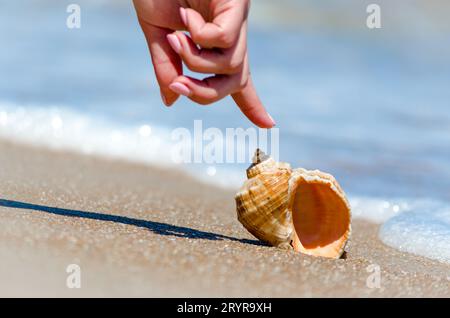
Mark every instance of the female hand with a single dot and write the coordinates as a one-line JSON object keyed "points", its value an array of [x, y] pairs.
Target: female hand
{"points": [[216, 44]]}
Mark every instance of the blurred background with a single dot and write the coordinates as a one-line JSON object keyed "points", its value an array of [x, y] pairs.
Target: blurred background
{"points": [[370, 106]]}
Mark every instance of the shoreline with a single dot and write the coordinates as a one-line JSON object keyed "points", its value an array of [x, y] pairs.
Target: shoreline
{"points": [[141, 231]]}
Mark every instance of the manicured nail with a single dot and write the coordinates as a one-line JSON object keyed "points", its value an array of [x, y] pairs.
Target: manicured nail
{"points": [[180, 89], [164, 99], [174, 42], [183, 16], [273, 121]]}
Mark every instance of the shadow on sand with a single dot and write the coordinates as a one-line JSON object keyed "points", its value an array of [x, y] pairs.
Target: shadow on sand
{"points": [[156, 227]]}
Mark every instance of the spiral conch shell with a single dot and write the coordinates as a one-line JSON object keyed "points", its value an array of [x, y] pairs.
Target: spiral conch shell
{"points": [[294, 209]]}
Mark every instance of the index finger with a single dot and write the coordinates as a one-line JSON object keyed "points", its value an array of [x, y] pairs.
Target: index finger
{"points": [[251, 106]]}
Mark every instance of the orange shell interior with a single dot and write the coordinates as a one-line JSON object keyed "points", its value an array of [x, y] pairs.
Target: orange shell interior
{"points": [[321, 219]]}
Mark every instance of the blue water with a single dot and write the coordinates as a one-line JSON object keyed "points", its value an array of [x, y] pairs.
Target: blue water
{"points": [[369, 106]]}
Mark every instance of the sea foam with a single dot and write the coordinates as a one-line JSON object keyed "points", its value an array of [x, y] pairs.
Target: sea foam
{"points": [[417, 226], [62, 128], [424, 231]]}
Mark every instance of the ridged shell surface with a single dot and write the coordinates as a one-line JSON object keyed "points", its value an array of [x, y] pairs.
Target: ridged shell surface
{"points": [[262, 203]]}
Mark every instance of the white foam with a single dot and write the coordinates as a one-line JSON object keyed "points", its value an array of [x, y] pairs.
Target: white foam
{"points": [[374, 210], [64, 129], [379, 210], [417, 226], [423, 232]]}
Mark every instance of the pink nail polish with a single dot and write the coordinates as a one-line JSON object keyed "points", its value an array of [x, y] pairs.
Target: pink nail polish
{"points": [[174, 42], [180, 88], [183, 15]]}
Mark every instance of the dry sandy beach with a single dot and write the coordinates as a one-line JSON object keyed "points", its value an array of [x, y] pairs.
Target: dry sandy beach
{"points": [[141, 231]]}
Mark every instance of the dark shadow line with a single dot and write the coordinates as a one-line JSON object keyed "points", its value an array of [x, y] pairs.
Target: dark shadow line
{"points": [[156, 227]]}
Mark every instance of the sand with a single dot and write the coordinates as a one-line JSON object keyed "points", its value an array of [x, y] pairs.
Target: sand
{"points": [[140, 231]]}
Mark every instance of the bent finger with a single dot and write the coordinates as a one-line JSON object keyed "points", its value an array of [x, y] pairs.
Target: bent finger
{"points": [[212, 61], [208, 90], [223, 31], [167, 64]]}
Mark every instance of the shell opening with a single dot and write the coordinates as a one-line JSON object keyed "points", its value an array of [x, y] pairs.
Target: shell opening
{"points": [[321, 220]]}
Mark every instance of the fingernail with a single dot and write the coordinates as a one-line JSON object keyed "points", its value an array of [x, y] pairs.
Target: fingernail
{"points": [[174, 42], [164, 99], [180, 89], [183, 15], [273, 121]]}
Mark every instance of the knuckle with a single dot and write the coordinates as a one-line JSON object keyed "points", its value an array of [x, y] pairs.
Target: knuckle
{"points": [[196, 37], [190, 64], [212, 96], [204, 101], [223, 39], [243, 82], [226, 39], [193, 65], [234, 65], [242, 85]]}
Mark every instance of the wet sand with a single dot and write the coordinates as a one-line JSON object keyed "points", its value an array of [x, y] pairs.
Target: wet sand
{"points": [[141, 231]]}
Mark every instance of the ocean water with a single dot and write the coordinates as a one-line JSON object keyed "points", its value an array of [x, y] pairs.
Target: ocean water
{"points": [[369, 106]]}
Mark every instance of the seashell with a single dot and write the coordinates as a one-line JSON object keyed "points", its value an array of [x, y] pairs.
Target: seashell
{"points": [[321, 214], [302, 210], [261, 203]]}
